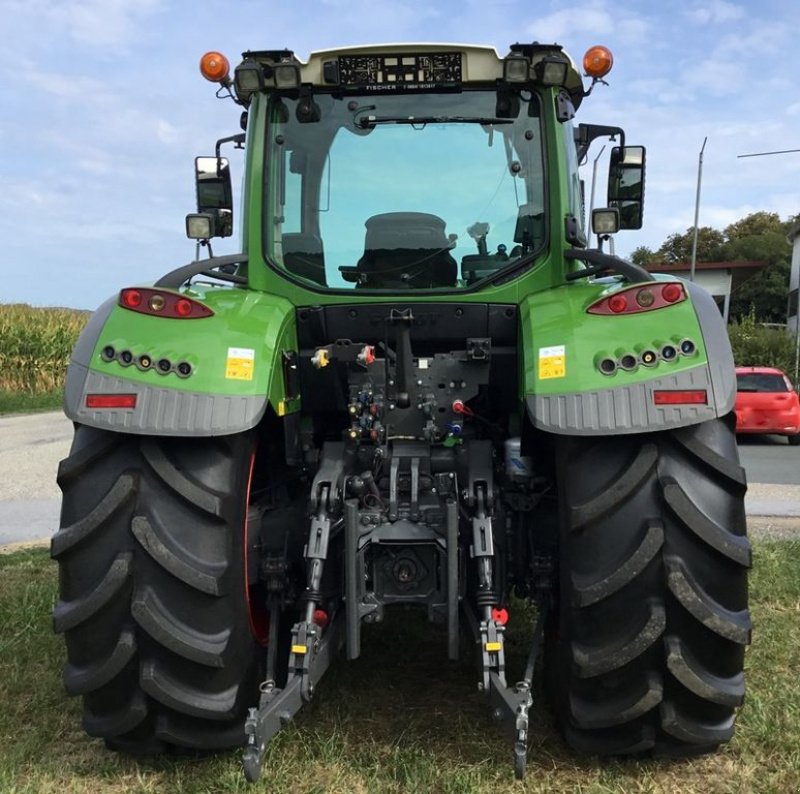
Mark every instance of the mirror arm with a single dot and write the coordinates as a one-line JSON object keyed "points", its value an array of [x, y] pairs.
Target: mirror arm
{"points": [[586, 133], [236, 139], [177, 278], [600, 262]]}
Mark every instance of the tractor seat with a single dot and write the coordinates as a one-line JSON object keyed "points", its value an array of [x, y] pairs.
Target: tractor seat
{"points": [[303, 256], [407, 250]]}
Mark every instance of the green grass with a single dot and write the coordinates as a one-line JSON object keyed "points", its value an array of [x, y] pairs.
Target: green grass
{"points": [[400, 719], [13, 402]]}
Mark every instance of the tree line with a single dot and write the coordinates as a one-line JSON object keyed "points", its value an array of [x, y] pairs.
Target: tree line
{"points": [[761, 237]]}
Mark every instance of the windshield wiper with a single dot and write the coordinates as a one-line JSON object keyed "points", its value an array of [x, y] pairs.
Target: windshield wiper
{"points": [[366, 122]]}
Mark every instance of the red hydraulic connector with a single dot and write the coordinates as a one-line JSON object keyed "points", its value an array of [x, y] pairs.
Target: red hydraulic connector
{"points": [[367, 355], [500, 615], [321, 618]]}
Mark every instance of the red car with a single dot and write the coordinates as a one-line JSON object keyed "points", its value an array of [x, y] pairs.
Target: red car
{"points": [[766, 402]]}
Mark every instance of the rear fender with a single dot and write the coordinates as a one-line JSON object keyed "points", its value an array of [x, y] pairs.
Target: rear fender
{"points": [[565, 391], [236, 360]]}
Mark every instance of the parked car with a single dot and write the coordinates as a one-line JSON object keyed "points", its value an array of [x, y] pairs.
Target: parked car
{"points": [[766, 402]]}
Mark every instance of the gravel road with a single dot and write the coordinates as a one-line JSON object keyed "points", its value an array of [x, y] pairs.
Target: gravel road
{"points": [[31, 445]]}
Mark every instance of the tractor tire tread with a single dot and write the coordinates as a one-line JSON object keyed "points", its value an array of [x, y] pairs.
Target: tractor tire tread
{"points": [[167, 689], [203, 576], [733, 625], [606, 500], [81, 680], [629, 707], [69, 614], [68, 537], [621, 574], [621, 649], [735, 547], [693, 731], [645, 650], [725, 467], [727, 691], [165, 628], [120, 721], [195, 494], [152, 599]]}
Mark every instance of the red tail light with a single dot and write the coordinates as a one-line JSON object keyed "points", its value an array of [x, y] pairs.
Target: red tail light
{"points": [[163, 304], [640, 298], [110, 400], [687, 397]]}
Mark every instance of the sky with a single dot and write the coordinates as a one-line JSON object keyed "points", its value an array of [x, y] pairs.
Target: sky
{"points": [[103, 110]]}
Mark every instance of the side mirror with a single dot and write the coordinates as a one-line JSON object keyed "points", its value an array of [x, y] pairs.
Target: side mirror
{"points": [[626, 185], [214, 193]]}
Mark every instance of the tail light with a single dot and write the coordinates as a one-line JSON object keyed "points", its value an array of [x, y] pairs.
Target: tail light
{"points": [[680, 397], [640, 298], [110, 400], [162, 304]]}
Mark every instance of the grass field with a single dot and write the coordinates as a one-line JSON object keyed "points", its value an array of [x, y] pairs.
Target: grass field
{"points": [[397, 720], [35, 346]]}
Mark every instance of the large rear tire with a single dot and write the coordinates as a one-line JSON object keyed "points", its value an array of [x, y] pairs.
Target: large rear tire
{"points": [[646, 650], [153, 600]]}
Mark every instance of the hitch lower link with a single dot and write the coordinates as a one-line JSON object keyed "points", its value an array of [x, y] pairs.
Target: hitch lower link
{"points": [[312, 649], [510, 705]]}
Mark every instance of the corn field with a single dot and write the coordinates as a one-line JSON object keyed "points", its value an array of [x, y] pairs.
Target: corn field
{"points": [[35, 345]]}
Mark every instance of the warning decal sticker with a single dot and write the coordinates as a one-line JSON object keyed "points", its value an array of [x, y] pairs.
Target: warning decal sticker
{"points": [[552, 362], [240, 363]]}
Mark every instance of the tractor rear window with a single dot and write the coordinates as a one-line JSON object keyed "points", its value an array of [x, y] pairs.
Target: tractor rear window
{"points": [[403, 192], [757, 382]]}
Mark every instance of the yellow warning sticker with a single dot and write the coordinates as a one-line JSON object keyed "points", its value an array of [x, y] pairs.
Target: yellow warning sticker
{"points": [[552, 362], [492, 646], [240, 363], [299, 649]]}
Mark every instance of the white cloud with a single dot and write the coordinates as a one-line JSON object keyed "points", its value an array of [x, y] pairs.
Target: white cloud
{"points": [[101, 23], [567, 22], [594, 18], [715, 76], [166, 132], [716, 12], [60, 84]]}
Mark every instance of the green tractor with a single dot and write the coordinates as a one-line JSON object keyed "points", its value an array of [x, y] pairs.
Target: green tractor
{"points": [[417, 384]]}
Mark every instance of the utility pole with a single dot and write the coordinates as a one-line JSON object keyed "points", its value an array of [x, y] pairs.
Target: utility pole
{"points": [[594, 179], [697, 208]]}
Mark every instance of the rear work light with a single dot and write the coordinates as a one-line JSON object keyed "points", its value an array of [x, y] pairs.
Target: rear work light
{"points": [[162, 304], [110, 400], [686, 397], [640, 298]]}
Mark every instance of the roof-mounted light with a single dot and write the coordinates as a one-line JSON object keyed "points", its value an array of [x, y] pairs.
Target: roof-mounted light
{"points": [[551, 71], [248, 79], [214, 66], [597, 62], [516, 68], [287, 75]]}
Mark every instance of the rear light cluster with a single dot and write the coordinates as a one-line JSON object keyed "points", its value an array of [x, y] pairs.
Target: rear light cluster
{"points": [[162, 304], [648, 356], [636, 299], [144, 362]]}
